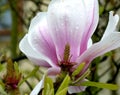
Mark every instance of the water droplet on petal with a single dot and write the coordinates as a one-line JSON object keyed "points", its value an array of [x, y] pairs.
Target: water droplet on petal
{"points": [[62, 24], [56, 29], [77, 27]]}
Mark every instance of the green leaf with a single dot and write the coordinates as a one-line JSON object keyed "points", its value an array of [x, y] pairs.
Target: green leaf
{"points": [[17, 72], [63, 91], [81, 77], [2, 84], [64, 84], [16, 67], [51, 92], [78, 69], [1, 67], [2, 92], [30, 75], [101, 9], [48, 86], [100, 85]]}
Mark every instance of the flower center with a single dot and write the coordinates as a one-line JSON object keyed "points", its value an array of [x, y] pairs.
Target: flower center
{"points": [[65, 63]]}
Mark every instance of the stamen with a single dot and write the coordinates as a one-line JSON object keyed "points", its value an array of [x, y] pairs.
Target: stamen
{"points": [[65, 62], [66, 52]]}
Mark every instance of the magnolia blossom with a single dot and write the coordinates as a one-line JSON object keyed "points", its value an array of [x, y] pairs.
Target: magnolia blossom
{"points": [[60, 39]]}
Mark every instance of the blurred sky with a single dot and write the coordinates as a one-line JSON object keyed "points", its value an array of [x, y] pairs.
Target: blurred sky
{"points": [[5, 17]]}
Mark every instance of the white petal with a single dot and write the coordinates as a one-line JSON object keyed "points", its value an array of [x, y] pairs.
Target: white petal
{"points": [[66, 20], [31, 53], [38, 87], [36, 20], [76, 89], [40, 40], [53, 71], [113, 21], [92, 21], [110, 42], [89, 43]]}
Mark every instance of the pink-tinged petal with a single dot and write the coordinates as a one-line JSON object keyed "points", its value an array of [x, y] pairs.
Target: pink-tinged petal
{"points": [[33, 56], [91, 23], [113, 21], [76, 89], [89, 44], [38, 87], [53, 71], [40, 40], [66, 19], [110, 42]]}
